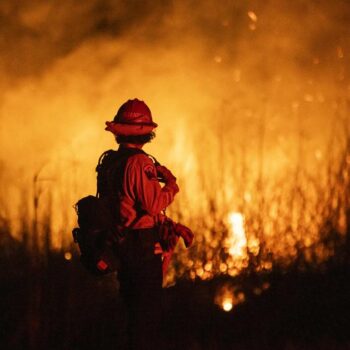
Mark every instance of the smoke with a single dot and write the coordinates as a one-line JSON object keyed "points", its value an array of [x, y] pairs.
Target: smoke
{"points": [[37, 33], [225, 80]]}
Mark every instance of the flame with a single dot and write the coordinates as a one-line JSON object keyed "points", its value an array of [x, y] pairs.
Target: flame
{"points": [[238, 239], [234, 139]]}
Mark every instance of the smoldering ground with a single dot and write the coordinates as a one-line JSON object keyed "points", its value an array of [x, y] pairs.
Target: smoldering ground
{"points": [[252, 89]]}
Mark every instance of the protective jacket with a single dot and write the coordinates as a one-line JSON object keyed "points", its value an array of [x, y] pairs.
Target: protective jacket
{"points": [[133, 188], [142, 192]]}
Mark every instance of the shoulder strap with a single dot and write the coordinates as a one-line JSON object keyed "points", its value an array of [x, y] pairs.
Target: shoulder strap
{"points": [[99, 167], [102, 156]]}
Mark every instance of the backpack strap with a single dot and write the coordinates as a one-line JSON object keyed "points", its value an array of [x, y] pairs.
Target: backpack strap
{"points": [[98, 168]]}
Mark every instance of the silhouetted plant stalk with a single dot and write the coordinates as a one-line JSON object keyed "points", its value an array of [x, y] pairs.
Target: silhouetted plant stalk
{"points": [[300, 220]]}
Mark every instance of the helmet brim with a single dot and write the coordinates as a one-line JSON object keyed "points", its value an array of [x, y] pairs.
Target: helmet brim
{"points": [[130, 129]]}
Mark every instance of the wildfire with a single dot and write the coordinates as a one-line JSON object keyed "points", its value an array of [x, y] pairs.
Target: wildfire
{"points": [[238, 240], [268, 138]]}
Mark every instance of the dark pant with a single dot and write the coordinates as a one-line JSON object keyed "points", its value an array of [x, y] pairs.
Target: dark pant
{"points": [[140, 279]]}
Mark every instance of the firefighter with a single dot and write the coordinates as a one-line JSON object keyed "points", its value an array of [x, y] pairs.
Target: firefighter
{"points": [[141, 199]]}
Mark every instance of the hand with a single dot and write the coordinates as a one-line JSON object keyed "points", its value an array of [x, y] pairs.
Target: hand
{"points": [[186, 234], [172, 242], [165, 173]]}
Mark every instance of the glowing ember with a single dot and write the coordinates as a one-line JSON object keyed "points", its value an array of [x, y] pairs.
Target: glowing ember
{"points": [[252, 15], [226, 297], [68, 256], [227, 305]]}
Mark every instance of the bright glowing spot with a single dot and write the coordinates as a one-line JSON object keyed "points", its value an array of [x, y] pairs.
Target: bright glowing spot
{"points": [[200, 272], [267, 265], [233, 272], [68, 256], [227, 305], [254, 245], [190, 263], [208, 266], [238, 240], [252, 15], [226, 297], [223, 267], [207, 275]]}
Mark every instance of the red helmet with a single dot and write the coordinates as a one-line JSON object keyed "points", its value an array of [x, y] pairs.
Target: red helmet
{"points": [[133, 118]]}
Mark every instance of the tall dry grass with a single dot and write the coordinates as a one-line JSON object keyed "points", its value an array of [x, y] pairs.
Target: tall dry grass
{"points": [[298, 221], [299, 218]]}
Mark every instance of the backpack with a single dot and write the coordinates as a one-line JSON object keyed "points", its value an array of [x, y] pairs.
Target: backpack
{"points": [[100, 230]]}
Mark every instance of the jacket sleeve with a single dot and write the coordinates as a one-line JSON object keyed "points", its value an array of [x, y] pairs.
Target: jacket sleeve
{"points": [[142, 183]]}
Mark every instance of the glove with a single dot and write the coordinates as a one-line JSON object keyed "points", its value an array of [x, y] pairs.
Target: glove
{"points": [[165, 174], [168, 235], [186, 234]]}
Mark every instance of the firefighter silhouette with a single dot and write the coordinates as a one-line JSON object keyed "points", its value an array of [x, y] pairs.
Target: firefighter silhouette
{"points": [[138, 200]]}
